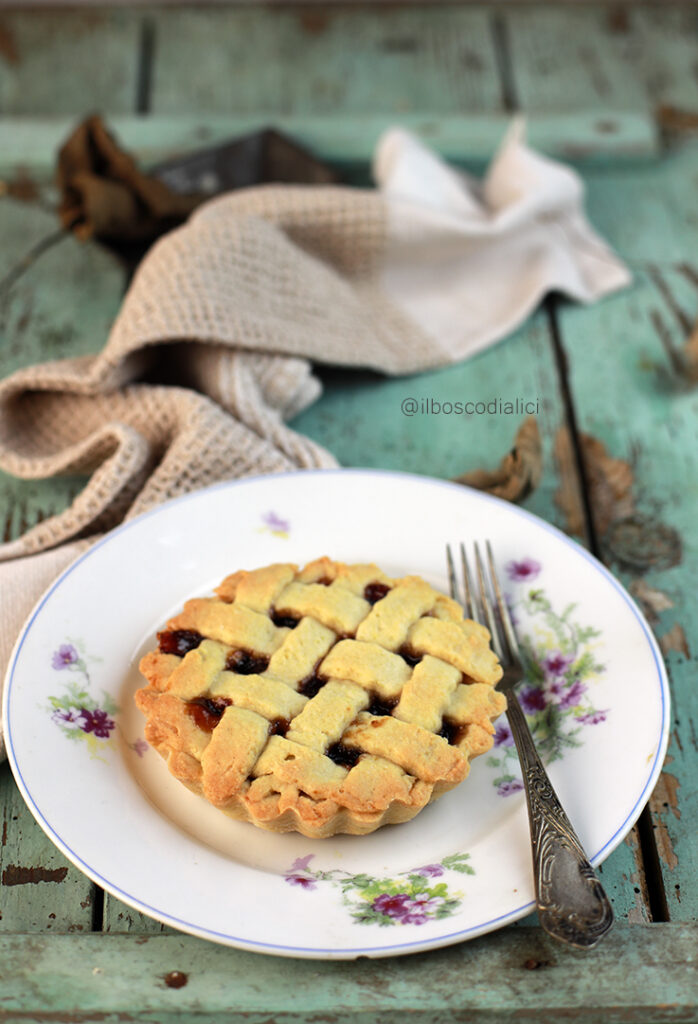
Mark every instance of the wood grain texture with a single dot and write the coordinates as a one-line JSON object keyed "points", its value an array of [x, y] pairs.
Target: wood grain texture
{"points": [[626, 395], [28, 144], [56, 302], [337, 62], [40, 890], [74, 64], [601, 58], [575, 60], [513, 975]]}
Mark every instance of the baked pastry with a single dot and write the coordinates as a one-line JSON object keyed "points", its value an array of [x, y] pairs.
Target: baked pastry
{"points": [[332, 699]]}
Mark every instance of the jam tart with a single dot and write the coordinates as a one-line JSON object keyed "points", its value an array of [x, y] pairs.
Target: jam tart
{"points": [[330, 699]]}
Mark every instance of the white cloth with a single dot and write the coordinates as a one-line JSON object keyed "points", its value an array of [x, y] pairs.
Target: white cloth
{"points": [[467, 261]]}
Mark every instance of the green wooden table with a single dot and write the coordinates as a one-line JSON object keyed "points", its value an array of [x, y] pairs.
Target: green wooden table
{"points": [[611, 89]]}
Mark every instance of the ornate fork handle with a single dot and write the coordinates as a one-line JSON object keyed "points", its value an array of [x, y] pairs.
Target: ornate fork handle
{"points": [[572, 904]]}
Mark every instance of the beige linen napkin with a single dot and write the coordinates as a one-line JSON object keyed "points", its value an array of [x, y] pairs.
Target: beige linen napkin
{"points": [[235, 305]]}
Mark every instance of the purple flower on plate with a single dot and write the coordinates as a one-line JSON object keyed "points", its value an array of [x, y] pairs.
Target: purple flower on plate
{"points": [[69, 718], [294, 876], [275, 522], [405, 909], [304, 881], [507, 788], [392, 906], [429, 871], [301, 863], [140, 747], [532, 699], [573, 695], [65, 655], [592, 717], [555, 663], [502, 736], [414, 918], [97, 722], [555, 689], [523, 571]]}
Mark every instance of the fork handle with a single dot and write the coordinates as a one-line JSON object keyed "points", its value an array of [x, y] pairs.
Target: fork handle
{"points": [[572, 904]]}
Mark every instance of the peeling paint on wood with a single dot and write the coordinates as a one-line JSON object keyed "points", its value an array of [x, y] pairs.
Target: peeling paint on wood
{"points": [[515, 975], [8, 45], [13, 874]]}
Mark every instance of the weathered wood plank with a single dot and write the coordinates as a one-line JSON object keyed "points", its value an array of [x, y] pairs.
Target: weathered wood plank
{"points": [[68, 62], [642, 974], [28, 145], [60, 304], [598, 57], [651, 216], [627, 395], [661, 45], [647, 213], [38, 321], [39, 889], [313, 61]]}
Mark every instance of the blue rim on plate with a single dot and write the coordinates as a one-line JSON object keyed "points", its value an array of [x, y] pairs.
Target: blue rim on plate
{"points": [[286, 950]]}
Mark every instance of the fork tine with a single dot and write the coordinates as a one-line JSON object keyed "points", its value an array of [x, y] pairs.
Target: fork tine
{"points": [[503, 608], [470, 601], [452, 584], [487, 604]]}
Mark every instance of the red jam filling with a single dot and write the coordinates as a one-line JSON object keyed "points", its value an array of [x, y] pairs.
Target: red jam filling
{"points": [[451, 731], [178, 641], [312, 685], [375, 592], [410, 656], [382, 705], [344, 756], [289, 621], [245, 663], [207, 711]]}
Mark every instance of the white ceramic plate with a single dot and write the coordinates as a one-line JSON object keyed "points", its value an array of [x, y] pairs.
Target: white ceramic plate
{"points": [[463, 866]]}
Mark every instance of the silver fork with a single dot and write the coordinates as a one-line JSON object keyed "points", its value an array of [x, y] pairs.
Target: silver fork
{"points": [[571, 902]]}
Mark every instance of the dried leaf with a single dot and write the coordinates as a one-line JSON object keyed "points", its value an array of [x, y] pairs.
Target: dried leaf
{"points": [[674, 121], [675, 640], [652, 601], [519, 472], [688, 357], [610, 483]]}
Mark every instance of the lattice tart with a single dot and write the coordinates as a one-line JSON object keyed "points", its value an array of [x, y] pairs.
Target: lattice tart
{"points": [[331, 699]]}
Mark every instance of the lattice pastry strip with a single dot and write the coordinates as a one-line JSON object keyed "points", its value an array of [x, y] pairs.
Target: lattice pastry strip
{"points": [[328, 699], [324, 720]]}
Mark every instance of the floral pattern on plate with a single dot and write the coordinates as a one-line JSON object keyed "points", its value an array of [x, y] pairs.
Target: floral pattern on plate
{"points": [[76, 712], [556, 699], [410, 897], [276, 525]]}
